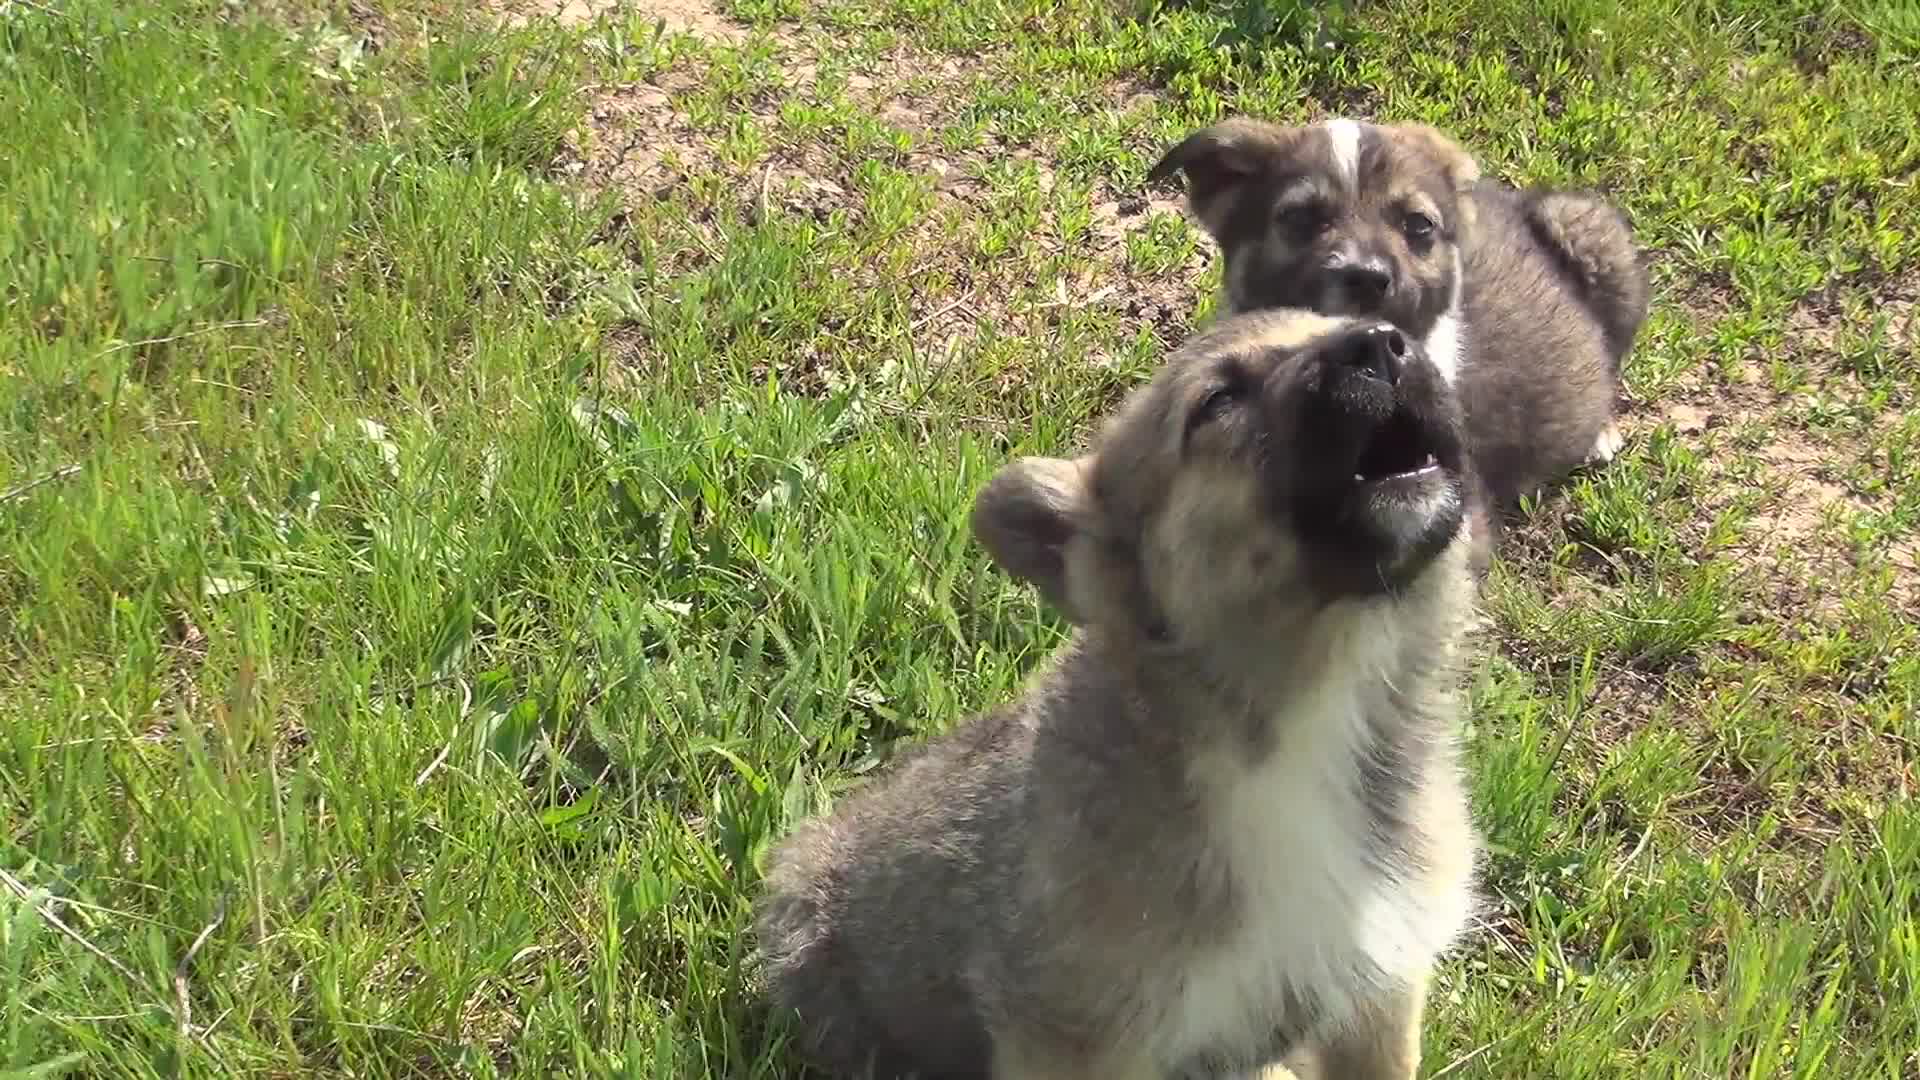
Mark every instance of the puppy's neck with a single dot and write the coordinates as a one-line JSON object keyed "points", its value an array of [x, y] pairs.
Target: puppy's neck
{"points": [[1190, 693]]}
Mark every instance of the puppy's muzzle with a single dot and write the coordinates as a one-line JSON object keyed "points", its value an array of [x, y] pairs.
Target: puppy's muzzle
{"points": [[1365, 284], [1368, 406], [1373, 353]]}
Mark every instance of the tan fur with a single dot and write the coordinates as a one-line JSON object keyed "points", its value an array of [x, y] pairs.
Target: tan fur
{"points": [[1462, 170]]}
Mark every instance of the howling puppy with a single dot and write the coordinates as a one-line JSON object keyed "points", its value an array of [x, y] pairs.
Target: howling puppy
{"points": [[1529, 299], [1225, 825]]}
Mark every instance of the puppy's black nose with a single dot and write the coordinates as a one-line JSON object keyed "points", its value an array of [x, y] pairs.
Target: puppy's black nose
{"points": [[1366, 282], [1375, 352]]}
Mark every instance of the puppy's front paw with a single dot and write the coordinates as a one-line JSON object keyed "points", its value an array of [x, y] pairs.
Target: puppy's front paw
{"points": [[1610, 442]]}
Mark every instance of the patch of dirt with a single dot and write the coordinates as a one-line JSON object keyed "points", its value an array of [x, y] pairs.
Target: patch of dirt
{"points": [[1800, 578], [1826, 321], [1828, 41], [1841, 771], [695, 17], [644, 142], [639, 141], [1758, 454], [1115, 215], [1904, 559], [642, 137], [1848, 774]]}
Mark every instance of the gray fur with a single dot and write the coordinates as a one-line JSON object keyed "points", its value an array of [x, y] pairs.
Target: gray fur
{"points": [[1048, 889]]}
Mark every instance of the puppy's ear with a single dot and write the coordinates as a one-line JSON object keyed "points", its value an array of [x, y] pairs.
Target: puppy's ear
{"points": [[1026, 517], [1217, 161]]}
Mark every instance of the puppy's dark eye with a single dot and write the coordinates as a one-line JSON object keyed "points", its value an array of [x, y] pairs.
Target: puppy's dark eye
{"points": [[1301, 219], [1212, 406], [1418, 226]]}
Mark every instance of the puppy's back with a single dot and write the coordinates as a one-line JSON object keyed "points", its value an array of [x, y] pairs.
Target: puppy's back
{"points": [[866, 913], [1594, 244], [1551, 291]]}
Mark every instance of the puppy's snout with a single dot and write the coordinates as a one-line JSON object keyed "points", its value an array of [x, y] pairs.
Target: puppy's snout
{"points": [[1366, 282], [1376, 352]]}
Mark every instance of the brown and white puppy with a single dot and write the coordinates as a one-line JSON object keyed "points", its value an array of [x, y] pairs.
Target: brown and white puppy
{"points": [[1225, 823], [1530, 298]]}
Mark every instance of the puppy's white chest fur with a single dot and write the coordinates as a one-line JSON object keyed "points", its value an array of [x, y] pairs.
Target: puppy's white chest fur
{"points": [[1446, 342], [1321, 920]]}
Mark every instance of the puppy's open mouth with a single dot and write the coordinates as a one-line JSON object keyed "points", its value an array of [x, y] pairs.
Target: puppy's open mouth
{"points": [[1400, 448]]}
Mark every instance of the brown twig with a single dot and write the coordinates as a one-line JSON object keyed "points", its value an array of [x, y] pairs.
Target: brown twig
{"points": [[60, 473], [19, 888], [238, 324], [185, 1013], [201, 262]]}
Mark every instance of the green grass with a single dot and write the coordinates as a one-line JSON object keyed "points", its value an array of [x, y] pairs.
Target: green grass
{"points": [[438, 555]]}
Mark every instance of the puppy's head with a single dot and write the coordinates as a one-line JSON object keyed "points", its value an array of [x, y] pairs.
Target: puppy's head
{"points": [[1277, 462], [1342, 217]]}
